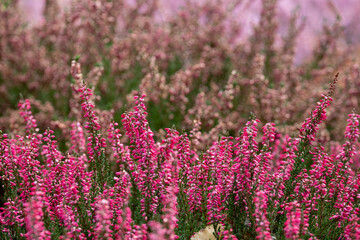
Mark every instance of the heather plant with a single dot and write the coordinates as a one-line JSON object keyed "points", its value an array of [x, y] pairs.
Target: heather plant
{"points": [[89, 153], [192, 65], [244, 187]]}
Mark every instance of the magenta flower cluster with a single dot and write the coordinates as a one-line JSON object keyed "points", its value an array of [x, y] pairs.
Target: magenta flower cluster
{"points": [[134, 187]]}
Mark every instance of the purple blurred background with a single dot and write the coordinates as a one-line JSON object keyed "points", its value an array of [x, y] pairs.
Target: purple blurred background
{"points": [[315, 14]]}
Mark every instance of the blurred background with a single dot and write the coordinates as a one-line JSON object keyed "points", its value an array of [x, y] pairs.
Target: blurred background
{"points": [[313, 14], [205, 66]]}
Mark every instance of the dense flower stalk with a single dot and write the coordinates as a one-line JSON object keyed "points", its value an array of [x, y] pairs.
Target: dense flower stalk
{"points": [[310, 126], [246, 162], [96, 144], [297, 221], [71, 223], [276, 182], [77, 138], [103, 223], [218, 159], [25, 112], [145, 154], [166, 230], [35, 216], [262, 223]]}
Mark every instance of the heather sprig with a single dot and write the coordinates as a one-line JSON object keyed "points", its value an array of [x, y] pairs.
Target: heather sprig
{"points": [[34, 216], [77, 163], [96, 144], [168, 186], [262, 223], [297, 221]]}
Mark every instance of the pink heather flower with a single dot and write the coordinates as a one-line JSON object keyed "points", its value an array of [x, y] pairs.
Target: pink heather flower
{"points": [[276, 181], [170, 179], [246, 163], [197, 185], [310, 126], [120, 152], [352, 134], [166, 229], [65, 178], [352, 129], [77, 139], [346, 191], [297, 221], [103, 220], [189, 172], [20, 169], [145, 154], [119, 193], [34, 217], [139, 232], [261, 221], [50, 151], [71, 223], [313, 187], [266, 156], [344, 186], [228, 235], [352, 230], [96, 143], [77, 179], [11, 213], [169, 163], [25, 112], [269, 134], [218, 159], [25, 153], [123, 227], [186, 157]]}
